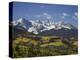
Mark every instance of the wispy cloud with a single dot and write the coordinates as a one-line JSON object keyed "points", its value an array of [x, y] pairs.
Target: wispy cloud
{"points": [[48, 16], [41, 6], [75, 16], [44, 15], [64, 15], [37, 16]]}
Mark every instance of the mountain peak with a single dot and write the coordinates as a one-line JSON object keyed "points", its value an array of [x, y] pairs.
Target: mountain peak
{"points": [[39, 26]]}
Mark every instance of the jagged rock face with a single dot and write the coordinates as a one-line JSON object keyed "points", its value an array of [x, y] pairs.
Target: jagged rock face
{"points": [[42, 27], [22, 23]]}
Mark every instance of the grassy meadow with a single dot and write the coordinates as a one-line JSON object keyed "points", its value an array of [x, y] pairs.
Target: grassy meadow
{"points": [[34, 46]]}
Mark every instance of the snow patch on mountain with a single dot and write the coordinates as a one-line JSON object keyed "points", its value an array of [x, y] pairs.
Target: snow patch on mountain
{"points": [[39, 26]]}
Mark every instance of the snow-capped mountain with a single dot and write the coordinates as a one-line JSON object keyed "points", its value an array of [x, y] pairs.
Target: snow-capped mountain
{"points": [[22, 23], [39, 26]]}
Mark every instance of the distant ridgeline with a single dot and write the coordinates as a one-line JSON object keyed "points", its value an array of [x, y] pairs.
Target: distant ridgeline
{"points": [[44, 28]]}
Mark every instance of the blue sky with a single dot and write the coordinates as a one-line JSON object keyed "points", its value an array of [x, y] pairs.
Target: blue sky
{"points": [[31, 11]]}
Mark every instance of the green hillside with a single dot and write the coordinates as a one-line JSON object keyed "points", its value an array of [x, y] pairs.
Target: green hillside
{"points": [[44, 46]]}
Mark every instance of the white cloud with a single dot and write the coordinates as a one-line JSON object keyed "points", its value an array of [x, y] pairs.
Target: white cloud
{"points": [[48, 16], [75, 16], [44, 15], [64, 15], [38, 16], [41, 6]]}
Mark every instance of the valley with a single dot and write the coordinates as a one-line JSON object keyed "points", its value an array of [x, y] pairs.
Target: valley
{"points": [[34, 39]]}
